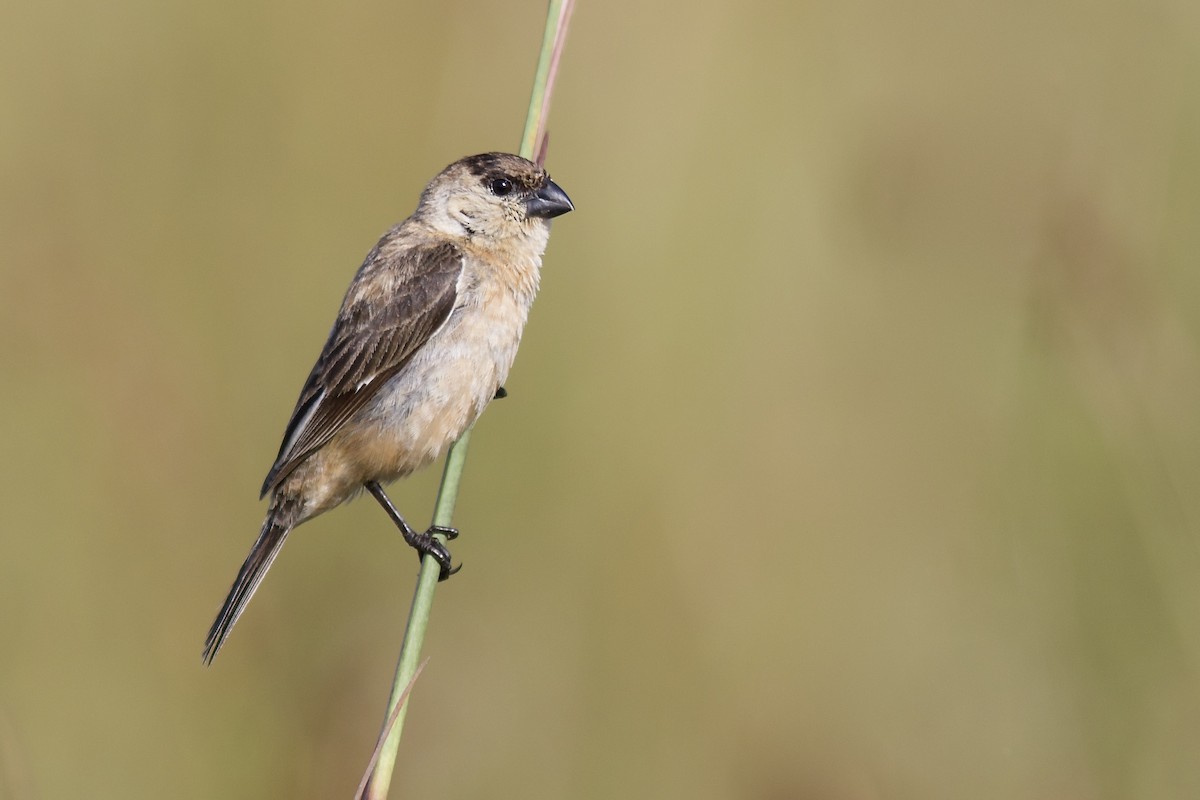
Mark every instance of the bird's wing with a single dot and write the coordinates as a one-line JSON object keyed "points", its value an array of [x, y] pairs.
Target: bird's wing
{"points": [[399, 298]]}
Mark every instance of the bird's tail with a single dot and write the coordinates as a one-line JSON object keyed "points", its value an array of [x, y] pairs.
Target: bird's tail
{"points": [[274, 531]]}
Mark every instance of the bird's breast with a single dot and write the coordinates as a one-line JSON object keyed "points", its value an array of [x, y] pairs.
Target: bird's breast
{"points": [[445, 387]]}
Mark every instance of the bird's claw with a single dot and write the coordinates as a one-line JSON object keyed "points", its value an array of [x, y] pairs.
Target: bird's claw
{"points": [[450, 533], [426, 545]]}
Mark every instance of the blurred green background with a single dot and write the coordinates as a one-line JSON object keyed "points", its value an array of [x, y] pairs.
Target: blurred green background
{"points": [[852, 450]]}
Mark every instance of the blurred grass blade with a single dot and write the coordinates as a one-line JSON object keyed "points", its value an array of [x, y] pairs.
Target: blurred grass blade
{"points": [[383, 735]]}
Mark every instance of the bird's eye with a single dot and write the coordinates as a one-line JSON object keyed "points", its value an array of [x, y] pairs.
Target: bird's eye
{"points": [[500, 186]]}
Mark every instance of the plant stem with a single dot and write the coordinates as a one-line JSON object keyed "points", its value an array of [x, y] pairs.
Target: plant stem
{"points": [[557, 19], [558, 16], [418, 621]]}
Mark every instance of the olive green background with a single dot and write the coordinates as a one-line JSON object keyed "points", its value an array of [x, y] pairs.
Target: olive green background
{"points": [[852, 451]]}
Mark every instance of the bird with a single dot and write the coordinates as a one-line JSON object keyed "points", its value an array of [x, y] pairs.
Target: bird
{"points": [[423, 341]]}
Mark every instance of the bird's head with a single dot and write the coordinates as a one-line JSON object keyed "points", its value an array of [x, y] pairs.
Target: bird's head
{"points": [[492, 196]]}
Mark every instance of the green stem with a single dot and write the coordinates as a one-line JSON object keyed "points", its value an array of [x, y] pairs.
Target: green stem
{"points": [[557, 17], [539, 98], [418, 621]]}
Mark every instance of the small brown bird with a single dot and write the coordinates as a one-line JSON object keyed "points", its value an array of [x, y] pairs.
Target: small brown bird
{"points": [[424, 340]]}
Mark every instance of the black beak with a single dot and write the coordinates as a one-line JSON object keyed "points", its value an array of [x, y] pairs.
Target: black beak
{"points": [[550, 201]]}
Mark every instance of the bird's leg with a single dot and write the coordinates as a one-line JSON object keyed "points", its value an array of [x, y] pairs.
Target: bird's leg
{"points": [[423, 543], [501, 393]]}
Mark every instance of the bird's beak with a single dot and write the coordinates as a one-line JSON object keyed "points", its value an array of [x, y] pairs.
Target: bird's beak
{"points": [[550, 201]]}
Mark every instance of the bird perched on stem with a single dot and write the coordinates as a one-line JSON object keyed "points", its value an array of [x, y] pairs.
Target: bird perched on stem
{"points": [[424, 340]]}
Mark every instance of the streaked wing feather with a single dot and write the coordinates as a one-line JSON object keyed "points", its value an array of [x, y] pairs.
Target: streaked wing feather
{"points": [[375, 335]]}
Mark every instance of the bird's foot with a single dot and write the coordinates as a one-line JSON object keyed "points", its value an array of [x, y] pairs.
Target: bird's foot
{"points": [[427, 545], [424, 543]]}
